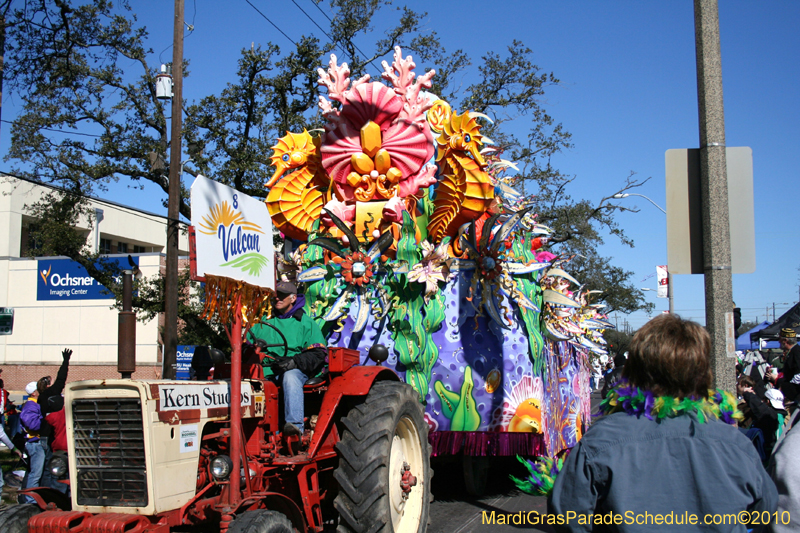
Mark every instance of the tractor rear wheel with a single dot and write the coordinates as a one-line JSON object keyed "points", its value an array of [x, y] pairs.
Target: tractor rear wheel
{"points": [[261, 521], [15, 518], [384, 463]]}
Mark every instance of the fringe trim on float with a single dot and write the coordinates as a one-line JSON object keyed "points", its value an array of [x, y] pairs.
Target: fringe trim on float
{"points": [[221, 293], [486, 443]]}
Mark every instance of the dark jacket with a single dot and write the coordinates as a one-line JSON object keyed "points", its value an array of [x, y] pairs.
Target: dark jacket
{"points": [[791, 367], [48, 405], [765, 417], [626, 464], [51, 396], [611, 380]]}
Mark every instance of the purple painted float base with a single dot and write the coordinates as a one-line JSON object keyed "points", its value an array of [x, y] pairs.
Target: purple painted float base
{"points": [[486, 443]]}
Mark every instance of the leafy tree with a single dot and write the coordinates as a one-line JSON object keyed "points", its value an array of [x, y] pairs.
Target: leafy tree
{"points": [[90, 116], [618, 342], [745, 327]]}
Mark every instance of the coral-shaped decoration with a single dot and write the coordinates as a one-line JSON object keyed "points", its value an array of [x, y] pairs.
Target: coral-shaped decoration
{"points": [[401, 74], [295, 200], [377, 145]]}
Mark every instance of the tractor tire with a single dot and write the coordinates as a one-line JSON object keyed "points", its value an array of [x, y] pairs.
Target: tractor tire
{"points": [[261, 521], [15, 518], [380, 435]]}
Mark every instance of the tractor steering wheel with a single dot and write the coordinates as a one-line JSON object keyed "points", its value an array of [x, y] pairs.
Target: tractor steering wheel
{"points": [[260, 343]]}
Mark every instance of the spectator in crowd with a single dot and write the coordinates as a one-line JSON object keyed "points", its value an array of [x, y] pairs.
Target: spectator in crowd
{"points": [[57, 420], [612, 379], [43, 400], [48, 391], [4, 404], [791, 364], [753, 382], [36, 446], [768, 414], [784, 471], [4, 438], [667, 444], [9, 417]]}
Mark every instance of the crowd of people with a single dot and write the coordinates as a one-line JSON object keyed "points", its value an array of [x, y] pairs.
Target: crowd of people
{"points": [[669, 445], [37, 428]]}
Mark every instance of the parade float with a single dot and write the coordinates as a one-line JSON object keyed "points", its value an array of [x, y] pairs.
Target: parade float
{"points": [[401, 229]]}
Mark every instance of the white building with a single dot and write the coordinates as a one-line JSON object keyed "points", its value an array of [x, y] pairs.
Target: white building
{"points": [[56, 305]]}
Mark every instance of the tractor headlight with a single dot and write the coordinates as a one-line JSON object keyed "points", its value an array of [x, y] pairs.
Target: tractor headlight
{"points": [[221, 467], [59, 467]]}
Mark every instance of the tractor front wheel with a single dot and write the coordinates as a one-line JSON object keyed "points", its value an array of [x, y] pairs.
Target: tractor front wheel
{"points": [[384, 463], [15, 518], [261, 521]]}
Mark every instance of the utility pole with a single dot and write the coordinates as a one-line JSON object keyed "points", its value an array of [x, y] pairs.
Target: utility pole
{"points": [[714, 191], [669, 292], [173, 211]]}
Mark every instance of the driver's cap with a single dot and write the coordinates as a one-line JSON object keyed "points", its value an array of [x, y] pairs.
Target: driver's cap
{"points": [[286, 287]]}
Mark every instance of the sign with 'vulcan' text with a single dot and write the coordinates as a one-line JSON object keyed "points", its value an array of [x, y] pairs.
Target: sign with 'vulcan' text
{"points": [[177, 397], [233, 234], [64, 279]]}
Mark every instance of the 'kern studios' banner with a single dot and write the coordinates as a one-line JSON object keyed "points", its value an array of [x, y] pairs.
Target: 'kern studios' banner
{"points": [[64, 279]]}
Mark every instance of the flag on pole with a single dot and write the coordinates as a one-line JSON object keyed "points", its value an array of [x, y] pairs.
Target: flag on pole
{"points": [[663, 281]]}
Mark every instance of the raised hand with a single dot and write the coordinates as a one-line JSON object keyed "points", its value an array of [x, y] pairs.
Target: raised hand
{"points": [[66, 354]]}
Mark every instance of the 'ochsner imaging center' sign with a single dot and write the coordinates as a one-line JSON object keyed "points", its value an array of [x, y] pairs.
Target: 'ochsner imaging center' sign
{"points": [[64, 279]]}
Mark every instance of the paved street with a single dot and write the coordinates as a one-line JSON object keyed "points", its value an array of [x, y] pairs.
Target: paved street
{"points": [[455, 511]]}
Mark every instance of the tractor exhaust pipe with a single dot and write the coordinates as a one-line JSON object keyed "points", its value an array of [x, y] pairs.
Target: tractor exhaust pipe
{"points": [[126, 340]]}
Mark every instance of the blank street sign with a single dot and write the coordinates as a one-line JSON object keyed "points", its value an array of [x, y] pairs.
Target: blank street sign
{"points": [[684, 218]]}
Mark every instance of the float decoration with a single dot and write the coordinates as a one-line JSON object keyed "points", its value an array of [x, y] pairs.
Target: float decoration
{"points": [[407, 232], [295, 200], [542, 474], [415, 314], [356, 267], [222, 292]]}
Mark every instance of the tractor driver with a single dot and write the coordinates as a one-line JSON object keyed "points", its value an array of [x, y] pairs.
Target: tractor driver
{"points": [[304, 339]]}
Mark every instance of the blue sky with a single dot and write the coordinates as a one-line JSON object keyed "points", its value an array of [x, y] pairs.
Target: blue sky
{"points": [[628, 93]]}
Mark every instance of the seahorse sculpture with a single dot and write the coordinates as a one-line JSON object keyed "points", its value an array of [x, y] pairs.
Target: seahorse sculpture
{"points": [[465, 189], [295, 200]]}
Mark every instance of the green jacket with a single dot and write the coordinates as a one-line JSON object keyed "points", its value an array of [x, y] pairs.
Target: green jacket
{"points": [[300, 330]]}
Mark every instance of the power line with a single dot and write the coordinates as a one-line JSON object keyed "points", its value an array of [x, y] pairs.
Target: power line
{"points": [[331, 38], [191, 32], [321, 11], [273, 24], [314, 21], [59, 131]]}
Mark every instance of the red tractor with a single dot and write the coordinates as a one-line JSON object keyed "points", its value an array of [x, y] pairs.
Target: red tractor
{"points": [[149, 456]]}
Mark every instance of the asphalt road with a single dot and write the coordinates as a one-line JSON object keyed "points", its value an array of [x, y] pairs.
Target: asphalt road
{"points": [[455, 511]]}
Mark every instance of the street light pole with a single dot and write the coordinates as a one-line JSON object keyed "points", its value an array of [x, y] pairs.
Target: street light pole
{"points": [[669, 274], [625, 195]]}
